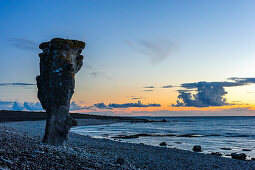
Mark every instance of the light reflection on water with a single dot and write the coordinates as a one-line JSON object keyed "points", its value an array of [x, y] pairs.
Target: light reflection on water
{"points": [[212, 133]]}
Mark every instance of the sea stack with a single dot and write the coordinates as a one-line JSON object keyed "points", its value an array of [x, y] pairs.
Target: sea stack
{"points": [[60, 60]]}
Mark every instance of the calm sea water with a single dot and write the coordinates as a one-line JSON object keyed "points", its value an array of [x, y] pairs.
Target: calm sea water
{"points": [[212, 133]]}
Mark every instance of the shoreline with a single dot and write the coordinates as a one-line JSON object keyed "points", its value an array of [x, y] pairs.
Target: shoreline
{"points": [[107, 154]]}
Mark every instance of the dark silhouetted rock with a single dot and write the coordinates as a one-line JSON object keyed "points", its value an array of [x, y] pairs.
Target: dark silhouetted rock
{"points": [[125, 136], [246, 150], [216, 153], [162, 144], [241, 156], [59, 62], [225, 148], [197, 148]]}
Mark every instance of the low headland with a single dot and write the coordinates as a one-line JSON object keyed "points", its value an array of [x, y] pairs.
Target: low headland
{"points": [[21, 148]]}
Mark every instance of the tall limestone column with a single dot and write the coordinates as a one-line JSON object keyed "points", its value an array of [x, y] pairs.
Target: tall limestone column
{"points": [[59, 62]]}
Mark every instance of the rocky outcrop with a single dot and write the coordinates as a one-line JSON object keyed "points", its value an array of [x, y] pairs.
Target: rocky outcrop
{"points": [[59, 62]]}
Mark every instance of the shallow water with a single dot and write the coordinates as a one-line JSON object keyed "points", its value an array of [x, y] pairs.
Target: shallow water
{"points": [[212, 133]]}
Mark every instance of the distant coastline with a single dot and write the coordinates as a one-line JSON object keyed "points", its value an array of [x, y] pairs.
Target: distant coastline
{"points": [[10, 116]]}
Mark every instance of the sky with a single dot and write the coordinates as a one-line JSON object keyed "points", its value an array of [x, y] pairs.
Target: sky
{"points": [[142, 58]]}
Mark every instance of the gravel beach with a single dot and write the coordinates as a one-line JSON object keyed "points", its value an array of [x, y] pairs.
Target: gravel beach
{"points": [[21, 148]]}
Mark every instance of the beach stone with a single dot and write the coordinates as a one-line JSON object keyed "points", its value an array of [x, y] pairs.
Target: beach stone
{"points": [[241, 156], [225, 148], [6, 161], [162, 144], [246, 150], [216, 153], [59, 62], [197, 148], [120, 161]]}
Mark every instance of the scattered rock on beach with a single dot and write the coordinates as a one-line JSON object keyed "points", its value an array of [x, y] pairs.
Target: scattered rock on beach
{"points": [[125, 136], [162, 144], [216, 153], [225, 148], [197, 148], [120, 161], [241, 156], [5, 161]]}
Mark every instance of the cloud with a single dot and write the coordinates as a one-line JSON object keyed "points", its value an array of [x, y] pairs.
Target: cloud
{"points": [[75, 106], [17, 84], [101, 106], [208, 93], [5, 105], [243, 80], [24, 44], [127, 105], [17, 106], [149, 87], [99, 73], [33, 106], [156, 51], [168, 86], [148, 90], [135, 98]]}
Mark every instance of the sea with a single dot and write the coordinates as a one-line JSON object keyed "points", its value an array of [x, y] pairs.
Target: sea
{"points": [[230, 134]]}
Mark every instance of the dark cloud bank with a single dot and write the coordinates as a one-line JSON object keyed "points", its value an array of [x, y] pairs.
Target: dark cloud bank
{"points": [[30, 106], [208, 93], [124, 105]]}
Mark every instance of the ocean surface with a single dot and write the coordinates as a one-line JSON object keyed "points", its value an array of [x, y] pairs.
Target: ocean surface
{"points": [[214, 134]]}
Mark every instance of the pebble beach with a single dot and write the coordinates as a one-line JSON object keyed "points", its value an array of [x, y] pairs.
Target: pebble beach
{"points": [[21, 148]]}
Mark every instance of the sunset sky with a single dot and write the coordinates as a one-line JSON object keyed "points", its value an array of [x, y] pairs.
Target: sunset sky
{"points": [[140, 55]]}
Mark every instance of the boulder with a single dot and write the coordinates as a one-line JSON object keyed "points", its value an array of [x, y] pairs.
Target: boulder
{"points": [[162, 144], [197, 148], [216, 153], [225, 148], [241, 156]]}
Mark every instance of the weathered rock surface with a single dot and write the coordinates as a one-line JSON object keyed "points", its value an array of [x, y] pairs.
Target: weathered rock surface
{"points": [[59, 62]]}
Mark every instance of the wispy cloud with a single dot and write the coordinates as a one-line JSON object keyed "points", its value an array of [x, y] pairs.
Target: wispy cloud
{"points": [[157, 51], [167, 86], [24, 44], [149, 87], [138, 104], [99, 73], [148, 90], [17, 84], [136, 98]]}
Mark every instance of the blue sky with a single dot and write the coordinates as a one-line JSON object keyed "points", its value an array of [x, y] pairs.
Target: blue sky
{"points": [[131, 44]]}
